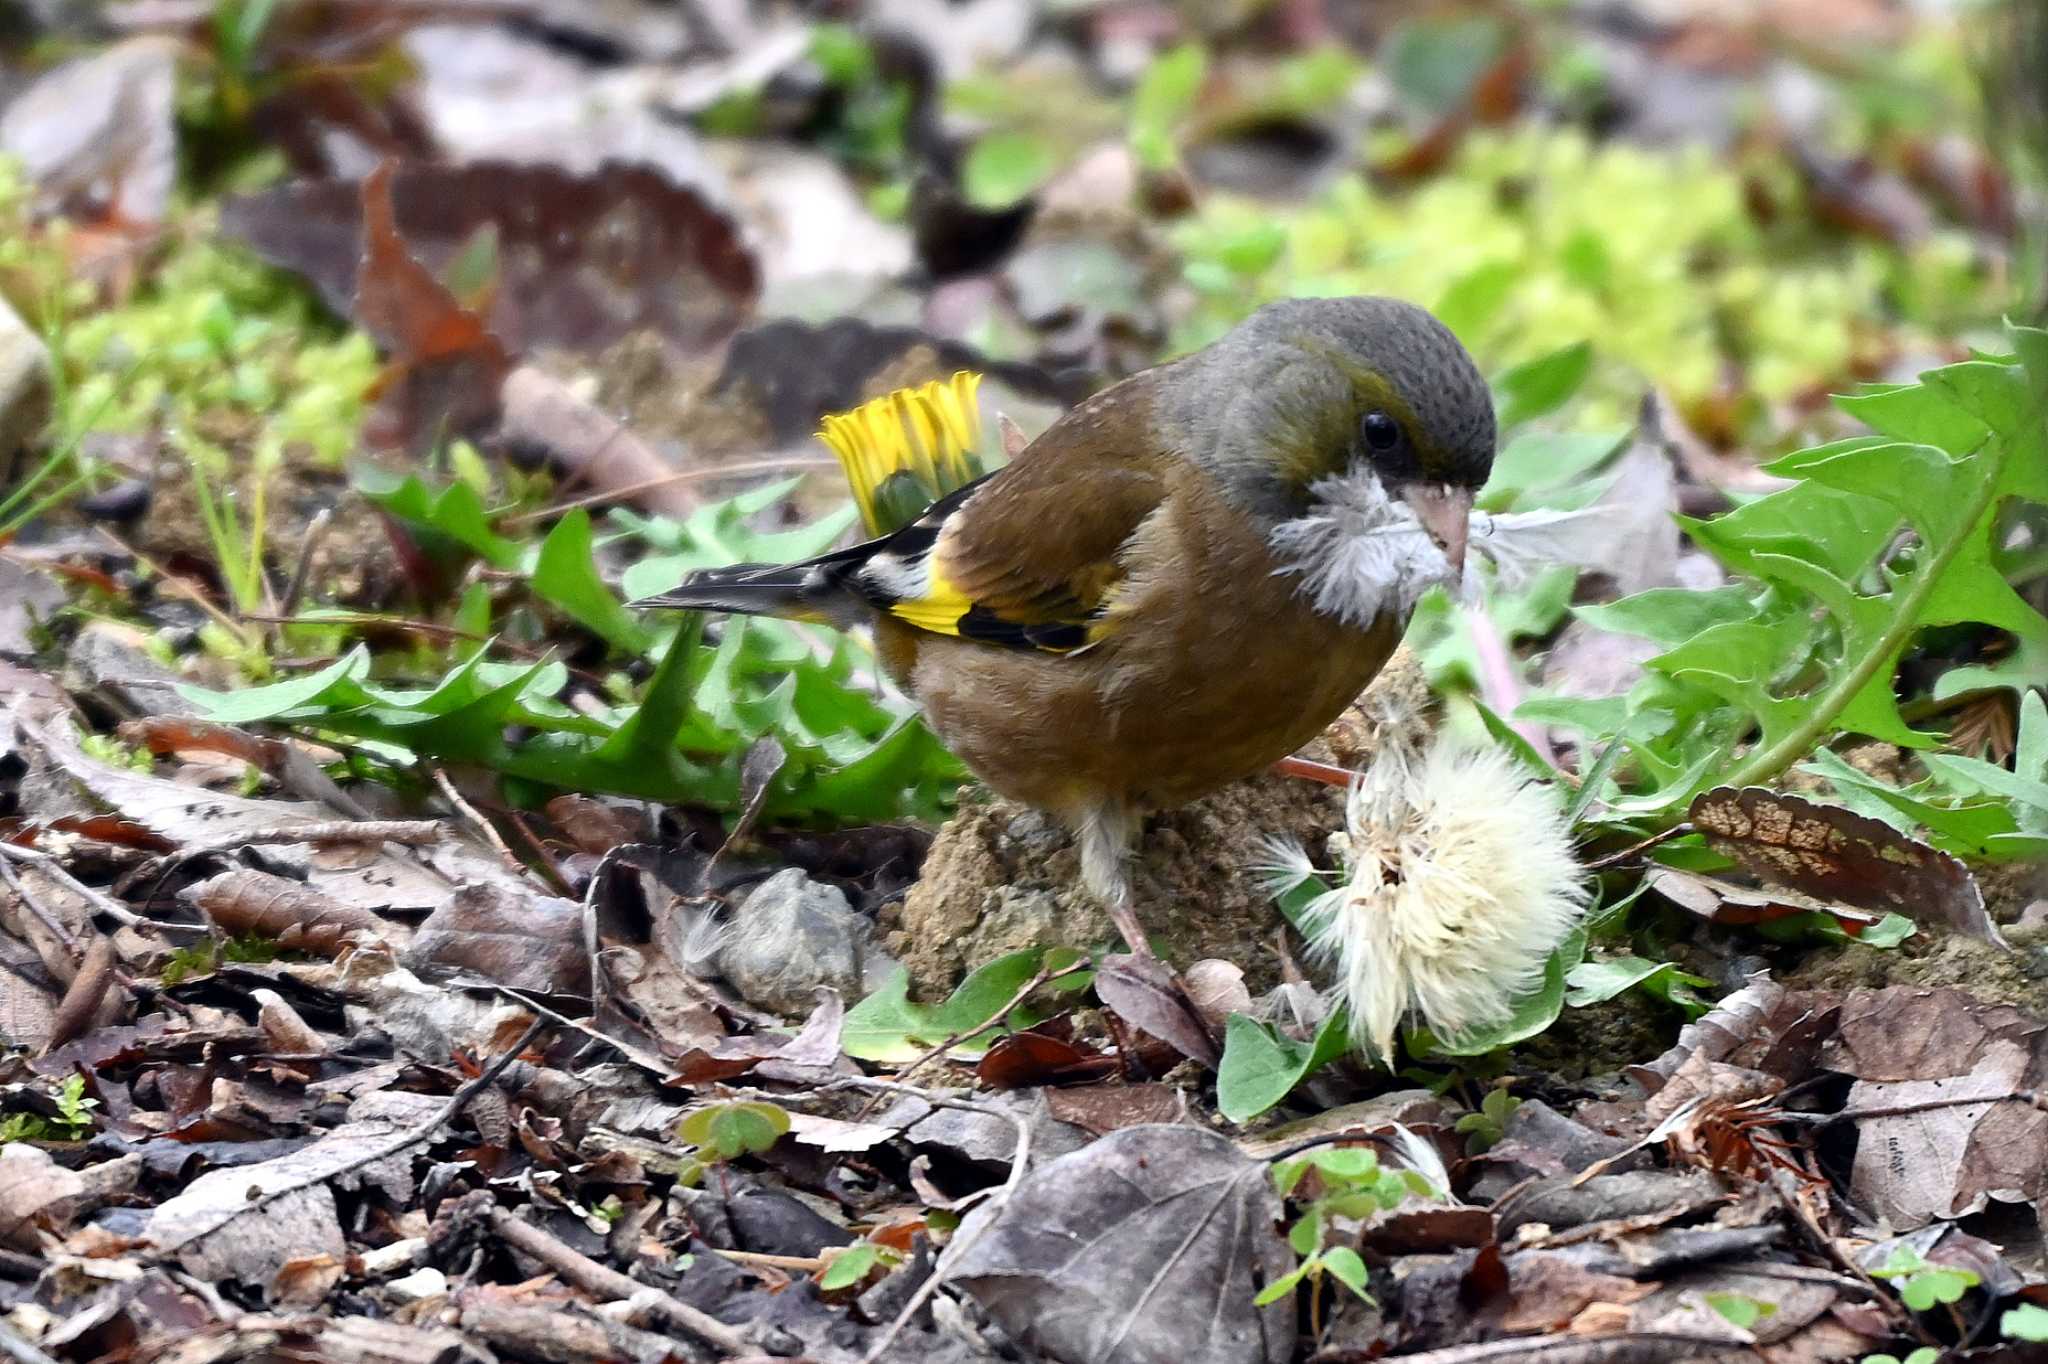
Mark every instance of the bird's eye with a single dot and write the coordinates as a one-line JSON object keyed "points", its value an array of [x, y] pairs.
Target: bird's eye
{"points": [[1382, 433]]}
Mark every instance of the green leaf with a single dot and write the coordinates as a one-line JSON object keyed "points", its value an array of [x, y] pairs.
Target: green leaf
{"points": [[1539, 387], [1740, 1310], [1345, 1266], [1261, 1066], [1595, 981], [1533, 461], [888, 1026], [2025, 1322], [1281, 1287], [251, 704], [850, 1265], [1005, 168], [455, 513], [731, 1130], [1164, 97], [565, 576]]}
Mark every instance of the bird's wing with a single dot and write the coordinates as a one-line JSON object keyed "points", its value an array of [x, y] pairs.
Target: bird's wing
{"points": [[1029, 557]]}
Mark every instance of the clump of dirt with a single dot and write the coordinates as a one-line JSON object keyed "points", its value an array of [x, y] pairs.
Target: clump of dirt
{"points": [[1603, 1038], [350, 561], [1001, 877], [2018, 977]]}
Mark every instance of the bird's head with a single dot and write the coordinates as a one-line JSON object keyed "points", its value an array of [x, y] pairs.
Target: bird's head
{"points": [[1357, 432]]}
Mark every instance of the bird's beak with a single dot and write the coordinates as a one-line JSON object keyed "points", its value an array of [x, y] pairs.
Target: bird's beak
{"points": [[1446, 513]]}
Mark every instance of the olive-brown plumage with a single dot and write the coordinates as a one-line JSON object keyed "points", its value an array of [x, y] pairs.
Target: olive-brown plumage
{"points": [[1184, 579]]}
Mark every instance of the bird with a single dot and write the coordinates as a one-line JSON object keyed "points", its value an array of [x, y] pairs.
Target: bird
{"points": [[1183, 579]]}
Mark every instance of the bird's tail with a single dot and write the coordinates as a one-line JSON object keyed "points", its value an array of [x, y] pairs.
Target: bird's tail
{"points": [[809, 591], [902, 452]]}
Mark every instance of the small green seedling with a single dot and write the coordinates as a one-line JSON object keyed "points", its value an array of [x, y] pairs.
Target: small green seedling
{"points": [[1487, 1126], [1922, 1285], [1354, 1186]]}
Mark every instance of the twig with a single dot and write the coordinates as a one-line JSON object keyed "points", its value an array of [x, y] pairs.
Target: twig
{"points": [[404, 1141], [1329, 1139], [647, 1061], [19, 1350], [801, 1264], [1308, 769], [1633, 849], [40, 910], [1020, 1161], [1825, 1244], [183, 586], [474, 816], [316, 531], [412, 833], [587, 1274], [2033, 1098], [703, 475], [101, 902], [1045, 976]]}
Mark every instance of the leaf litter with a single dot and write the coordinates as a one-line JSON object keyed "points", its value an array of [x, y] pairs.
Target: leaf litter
{"points": [[529, 1013]]}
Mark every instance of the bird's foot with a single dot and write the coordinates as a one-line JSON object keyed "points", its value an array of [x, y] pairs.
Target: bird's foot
{"points": [[1125, 918]]}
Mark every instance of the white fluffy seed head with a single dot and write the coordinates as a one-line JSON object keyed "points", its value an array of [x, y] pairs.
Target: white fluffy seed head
{"points": [[1461, 881]]}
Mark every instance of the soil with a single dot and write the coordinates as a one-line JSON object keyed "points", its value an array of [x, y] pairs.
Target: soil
{"points": [[1001, 877], [2018, 977]]}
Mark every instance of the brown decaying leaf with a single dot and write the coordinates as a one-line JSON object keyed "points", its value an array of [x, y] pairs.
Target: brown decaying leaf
{"points": [[1763, 1027], [36, 1195], [1908, 1046], [446, 366], [583, 260], [296, 915], [524, 940], [543, 416], [1103, 1109], [1145, 993], [1146, 1247], [1837, 854]]}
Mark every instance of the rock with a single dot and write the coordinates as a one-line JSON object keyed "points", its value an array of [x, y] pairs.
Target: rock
{"points": [[24, 389], [27, 599], [791, 937], [107, 659]]}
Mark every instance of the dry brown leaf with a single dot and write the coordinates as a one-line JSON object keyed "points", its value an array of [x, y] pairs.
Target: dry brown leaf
{"points": [[526, 940], [1836, 854], [296, 915], [582, 260], [36, 1195], [1909, 1046]]}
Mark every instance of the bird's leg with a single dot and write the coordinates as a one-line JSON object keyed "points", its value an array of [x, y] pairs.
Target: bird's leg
{"points": [[1105, 833]]}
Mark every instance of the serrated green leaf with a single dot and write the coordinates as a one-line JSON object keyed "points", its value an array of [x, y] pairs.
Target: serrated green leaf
{"points": [[565, 577]]}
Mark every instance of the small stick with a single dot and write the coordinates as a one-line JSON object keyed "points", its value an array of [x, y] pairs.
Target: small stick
{"points": [[40, 910], [801, 1264], [592, 1277], [316, 531], [1633, 849], [1020, 1161], [1044, 977], [183, 586], [704, 475], [474, 816], [404, 1141], [100, 900], [1308, 769]]}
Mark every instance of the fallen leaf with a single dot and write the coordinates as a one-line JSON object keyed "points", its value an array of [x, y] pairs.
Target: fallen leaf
{"points": [[583, 260], [1145, 993], [1145, 1248], [1103, 1109], [296, 915], [215, 1232], [1907, 1046], [446, 365], [528, 941], [1834, 853], [35, 1196]]}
